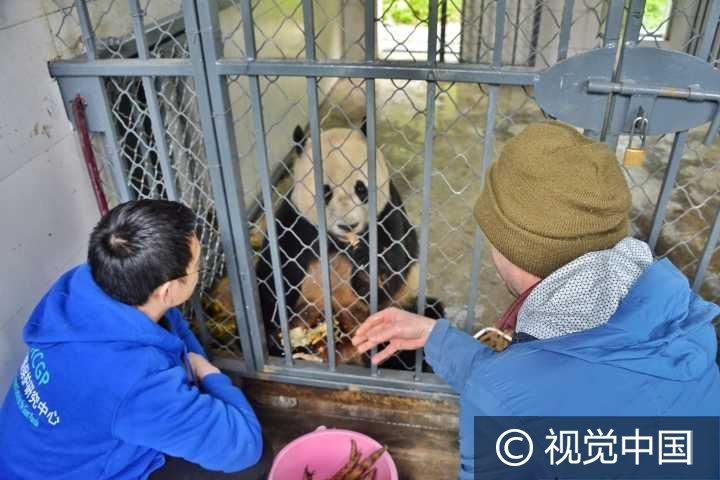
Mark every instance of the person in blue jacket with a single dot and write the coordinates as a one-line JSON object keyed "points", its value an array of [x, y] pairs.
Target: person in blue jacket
{"points": [[114, 380], [600, 328]]}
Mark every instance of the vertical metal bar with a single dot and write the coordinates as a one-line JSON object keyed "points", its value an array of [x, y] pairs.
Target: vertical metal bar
{"points": [[535, 36], [488, 141], [151, 96], [633, 23], [480, 31], [112, 144], [698, 20], [709, 29], [565, 27], [500, 12], [611, 39], [369, 30], [516, 31], [266, 186], [372, 200], [432, 32], [427, 176], [668, 183], [613, 25], [309, 25], [443, 24], [425, 216], [86, 29], [110, 133], [223, 166], [372, 164], [708, 252]]}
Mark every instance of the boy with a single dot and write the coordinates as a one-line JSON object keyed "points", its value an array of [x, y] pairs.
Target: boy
{"points": [[114, 379]]}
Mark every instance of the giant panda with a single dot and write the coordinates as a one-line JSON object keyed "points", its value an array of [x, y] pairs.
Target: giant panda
{"points": [[346, 209]]}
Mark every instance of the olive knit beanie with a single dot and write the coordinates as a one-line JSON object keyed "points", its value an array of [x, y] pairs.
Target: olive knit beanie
{"points": [[552, 196]]}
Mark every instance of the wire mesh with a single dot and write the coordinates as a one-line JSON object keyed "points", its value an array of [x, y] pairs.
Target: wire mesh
{"points": [[111, 23]]}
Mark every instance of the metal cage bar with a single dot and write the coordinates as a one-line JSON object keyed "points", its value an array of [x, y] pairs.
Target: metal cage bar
{"points": [[427, 177], [372, 165], [565, 27], [86, 29], [707, 253], [110, 132], [234, 66], [488, 141], [309, 24], [205, 47], [634, 22], [667, 187], [265, 184], [611, 39], [709, 30], [156, 118]]}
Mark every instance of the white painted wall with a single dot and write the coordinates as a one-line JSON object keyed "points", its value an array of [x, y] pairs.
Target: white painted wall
{"points": [[47, 208]]}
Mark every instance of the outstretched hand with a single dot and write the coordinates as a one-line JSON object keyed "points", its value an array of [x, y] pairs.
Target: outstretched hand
{"points": [[402, 330]]}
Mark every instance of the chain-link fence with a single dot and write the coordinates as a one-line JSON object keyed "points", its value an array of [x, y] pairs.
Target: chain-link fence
{"points": [[208, 117]]}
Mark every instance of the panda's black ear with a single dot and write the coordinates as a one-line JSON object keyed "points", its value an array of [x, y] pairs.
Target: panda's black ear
{"points": [[363, 126], [298, 139]]}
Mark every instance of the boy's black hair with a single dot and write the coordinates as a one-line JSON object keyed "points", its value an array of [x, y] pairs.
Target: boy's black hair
{"points": [[139, 245]]}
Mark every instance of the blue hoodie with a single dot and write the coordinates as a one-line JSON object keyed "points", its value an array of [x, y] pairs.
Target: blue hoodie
{"points": [[103, 393], [654, 357]]}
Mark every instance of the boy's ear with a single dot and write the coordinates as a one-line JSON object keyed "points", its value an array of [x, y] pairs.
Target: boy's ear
{"points": [[164, 292]]}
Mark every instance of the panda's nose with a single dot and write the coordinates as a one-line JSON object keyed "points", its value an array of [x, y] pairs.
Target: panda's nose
{"points": [[347, 228]]}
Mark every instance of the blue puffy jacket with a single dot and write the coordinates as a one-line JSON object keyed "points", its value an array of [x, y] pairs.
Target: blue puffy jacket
{"points": [[654, 357]]}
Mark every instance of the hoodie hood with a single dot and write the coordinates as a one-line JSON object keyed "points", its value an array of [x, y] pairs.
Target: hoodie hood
{"points": [[661, 328], [76, 309]]}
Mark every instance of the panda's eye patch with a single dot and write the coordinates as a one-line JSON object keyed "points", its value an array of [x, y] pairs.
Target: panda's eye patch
{"points": [[361, 191], [328, 193]]}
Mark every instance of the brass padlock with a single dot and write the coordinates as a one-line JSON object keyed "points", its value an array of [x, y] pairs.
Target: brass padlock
{"points": [[635, 157]]}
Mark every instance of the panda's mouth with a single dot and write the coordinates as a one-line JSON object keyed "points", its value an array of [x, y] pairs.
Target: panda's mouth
{"points": [[351, 228], [348, 233]]}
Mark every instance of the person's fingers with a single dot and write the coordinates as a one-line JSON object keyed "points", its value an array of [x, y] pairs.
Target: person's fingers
{"points": [[371, 322], [365, 346], [386, 353], [378, 334], [382, 333]]}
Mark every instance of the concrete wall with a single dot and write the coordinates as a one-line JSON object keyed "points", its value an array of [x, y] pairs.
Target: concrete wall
{"points": [[46, 204]]}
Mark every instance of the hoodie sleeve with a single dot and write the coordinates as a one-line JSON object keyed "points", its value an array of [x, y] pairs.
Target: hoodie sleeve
{"points": [[217, 430], [454, 354], [182, 329]]}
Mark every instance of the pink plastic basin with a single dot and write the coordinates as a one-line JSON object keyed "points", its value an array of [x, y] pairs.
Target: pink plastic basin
{"points": [[325, 451]]}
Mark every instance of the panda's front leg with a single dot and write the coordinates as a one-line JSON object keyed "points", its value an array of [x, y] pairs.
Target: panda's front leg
{"points": [[361, 274], [360, 281]]}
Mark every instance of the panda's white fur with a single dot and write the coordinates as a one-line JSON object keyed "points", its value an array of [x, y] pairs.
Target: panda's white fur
{"points": [[344, 157]]}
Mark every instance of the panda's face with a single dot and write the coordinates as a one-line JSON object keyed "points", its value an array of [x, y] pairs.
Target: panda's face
{"points": [[345, 182]]}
